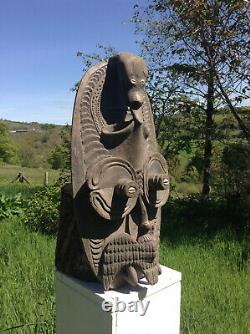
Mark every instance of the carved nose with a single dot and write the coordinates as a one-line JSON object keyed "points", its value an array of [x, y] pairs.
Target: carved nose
{"points": [[135, 99]]}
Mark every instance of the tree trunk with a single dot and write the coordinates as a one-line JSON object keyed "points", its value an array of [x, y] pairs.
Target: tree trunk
{"points": [[208, 140]]}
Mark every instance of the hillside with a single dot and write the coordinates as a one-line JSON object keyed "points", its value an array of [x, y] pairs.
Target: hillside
{"points": [[32, 126], [35, 141]]}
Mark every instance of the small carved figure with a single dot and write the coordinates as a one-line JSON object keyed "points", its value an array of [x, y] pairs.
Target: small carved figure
{"points": [[20, 178], [110, 215]]}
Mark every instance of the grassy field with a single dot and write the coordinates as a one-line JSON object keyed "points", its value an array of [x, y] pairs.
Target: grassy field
{"points": [[26, 280], [215, 287], [34, 175]]}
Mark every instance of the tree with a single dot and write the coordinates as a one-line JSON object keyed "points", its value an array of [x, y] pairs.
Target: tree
{"points": [[57, 157], [236, 170], [8, 149], [203, 43], [66, 146]]}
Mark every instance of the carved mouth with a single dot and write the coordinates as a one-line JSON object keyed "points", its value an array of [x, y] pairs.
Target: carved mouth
{"points": [[124, 257]]}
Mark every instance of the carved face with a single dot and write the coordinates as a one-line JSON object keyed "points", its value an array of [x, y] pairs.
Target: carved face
{"points": [[132, 73]]}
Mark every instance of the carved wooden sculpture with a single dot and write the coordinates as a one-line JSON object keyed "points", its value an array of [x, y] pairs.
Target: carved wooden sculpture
{"points": [[110, 216]]}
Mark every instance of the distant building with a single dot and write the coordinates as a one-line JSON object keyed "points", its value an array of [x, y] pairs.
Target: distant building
{"points": [[22, 130]]}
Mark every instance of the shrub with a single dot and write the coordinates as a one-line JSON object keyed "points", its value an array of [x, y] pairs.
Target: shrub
{"points": [[10, 206], [57, 157], [236, 169], [8, 149], [42, 211], [191, 215]]}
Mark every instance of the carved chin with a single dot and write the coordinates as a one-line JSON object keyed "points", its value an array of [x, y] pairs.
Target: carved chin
{"points": [[127, 261]]}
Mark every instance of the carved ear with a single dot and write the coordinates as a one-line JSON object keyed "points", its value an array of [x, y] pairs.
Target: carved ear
{"points": [[156, 181]]}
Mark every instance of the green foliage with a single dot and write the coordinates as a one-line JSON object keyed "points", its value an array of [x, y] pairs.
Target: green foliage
{"points": [[8, 149], [35, 144], [42, 211], [60, 156], [236, 169], [193, 216], [48, 126], [57, 158], [237, 157], [66, 144], [38, 206], [179, 129], [196, 161], [103, 52], [197, 52], [191, 37], [10, 205]]}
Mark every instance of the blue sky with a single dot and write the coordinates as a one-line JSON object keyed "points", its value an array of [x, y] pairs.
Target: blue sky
{"points": [[38, 44]]}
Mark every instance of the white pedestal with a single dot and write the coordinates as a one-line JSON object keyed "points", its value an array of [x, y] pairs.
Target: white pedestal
{"points": [[79, 307]]}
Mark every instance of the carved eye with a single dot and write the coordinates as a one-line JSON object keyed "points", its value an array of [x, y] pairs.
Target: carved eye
{"points": [[143, 81], [133, 81]]}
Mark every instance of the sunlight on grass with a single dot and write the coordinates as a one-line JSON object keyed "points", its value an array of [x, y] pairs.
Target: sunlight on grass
{"points": [[215, 287], [34, 175], [27, 279]]}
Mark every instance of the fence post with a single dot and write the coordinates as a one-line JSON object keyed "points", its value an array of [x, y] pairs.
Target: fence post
{"points": [[46, 178]]}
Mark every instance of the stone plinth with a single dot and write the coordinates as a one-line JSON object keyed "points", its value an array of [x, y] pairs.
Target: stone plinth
{"points": [[149, 309]]}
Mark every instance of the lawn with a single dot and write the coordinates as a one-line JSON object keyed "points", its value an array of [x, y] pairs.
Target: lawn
{"points": [[35, 175], [215, 284], [215, 288], [26, 279]]}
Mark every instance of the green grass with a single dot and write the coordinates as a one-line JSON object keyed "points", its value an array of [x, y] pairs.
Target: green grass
{"points": [[215, 286], [13, 189], [34, 175], [26, 279], [187, 188]]}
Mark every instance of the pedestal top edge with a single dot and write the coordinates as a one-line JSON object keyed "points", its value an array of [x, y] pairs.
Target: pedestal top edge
{"points": [[94, 290]]}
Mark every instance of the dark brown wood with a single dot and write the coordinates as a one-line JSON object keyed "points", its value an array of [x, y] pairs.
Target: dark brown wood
{"points": [[110, 216]]}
